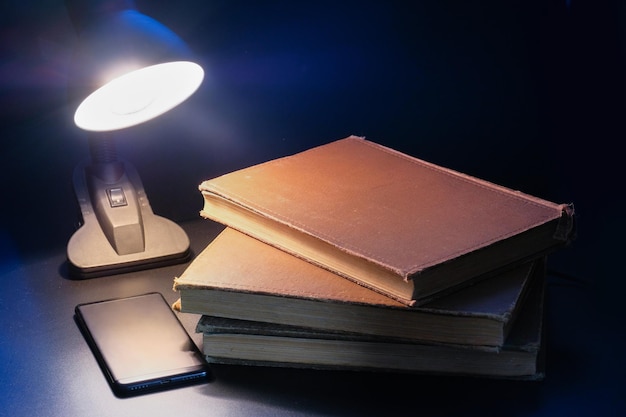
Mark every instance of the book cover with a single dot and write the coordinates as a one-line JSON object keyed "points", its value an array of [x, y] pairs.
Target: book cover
{"points": [[240, 277], [252, 343], [397, 224]]}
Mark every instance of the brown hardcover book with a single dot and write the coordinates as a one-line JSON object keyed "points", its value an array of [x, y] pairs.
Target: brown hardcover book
{"points": [[239, 342], [239, 277], [402, 226]]}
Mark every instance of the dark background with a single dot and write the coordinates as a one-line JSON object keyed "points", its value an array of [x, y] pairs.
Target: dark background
{"points": [[527, 94]]}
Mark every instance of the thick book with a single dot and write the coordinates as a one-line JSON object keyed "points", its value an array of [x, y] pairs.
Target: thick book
{"points": [[402, 226], [240, 277], [228, 341]]}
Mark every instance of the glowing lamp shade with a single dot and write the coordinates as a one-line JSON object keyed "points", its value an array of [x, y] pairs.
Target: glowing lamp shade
{"points": [[138, 96]]}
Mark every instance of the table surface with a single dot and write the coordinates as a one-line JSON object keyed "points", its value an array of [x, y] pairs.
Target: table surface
{"points": [[48, 369]]}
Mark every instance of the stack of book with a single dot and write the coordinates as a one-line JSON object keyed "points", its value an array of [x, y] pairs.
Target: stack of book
{"points": [[352, 255]]}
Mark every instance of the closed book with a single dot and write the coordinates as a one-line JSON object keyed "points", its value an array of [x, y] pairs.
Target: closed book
{"points": [[227, 341], [240, 277], [404, 227]]}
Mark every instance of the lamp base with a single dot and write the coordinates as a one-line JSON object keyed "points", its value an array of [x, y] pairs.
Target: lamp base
{"points": [[108, 244]]}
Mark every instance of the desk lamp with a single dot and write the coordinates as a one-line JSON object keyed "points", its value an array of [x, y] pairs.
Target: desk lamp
{"points": [[128, 69]]}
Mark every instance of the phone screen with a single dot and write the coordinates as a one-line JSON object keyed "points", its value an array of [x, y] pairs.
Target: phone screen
{"points": [[140, 344]]}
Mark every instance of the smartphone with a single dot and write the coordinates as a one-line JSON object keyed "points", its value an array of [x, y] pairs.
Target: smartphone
{"points": [[140, 344]]}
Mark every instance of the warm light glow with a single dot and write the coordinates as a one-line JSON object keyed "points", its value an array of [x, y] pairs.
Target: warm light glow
{"points": [[138, 96]]}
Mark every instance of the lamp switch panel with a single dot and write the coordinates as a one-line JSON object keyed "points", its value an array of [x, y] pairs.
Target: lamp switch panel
{"points": [[117, 198]]}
